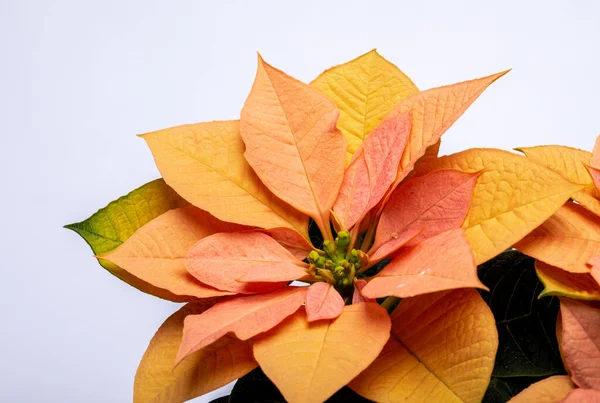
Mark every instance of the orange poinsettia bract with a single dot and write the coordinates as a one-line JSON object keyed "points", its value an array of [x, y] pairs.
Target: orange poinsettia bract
{"points": [[253, 186]]}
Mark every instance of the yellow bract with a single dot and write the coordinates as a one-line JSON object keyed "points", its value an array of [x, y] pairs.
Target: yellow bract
{"points": [[442, 349], [567, 240], [587, 198], [205, 164], [571, 164], [567, 161], [364, 90], [561, 283], [310, 361], [550, 390], [512, 196], [208, 369]]}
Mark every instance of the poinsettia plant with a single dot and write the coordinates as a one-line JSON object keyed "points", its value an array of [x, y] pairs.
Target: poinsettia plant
{"points": [[322, 239]]}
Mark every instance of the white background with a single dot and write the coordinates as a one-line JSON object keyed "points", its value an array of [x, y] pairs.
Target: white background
{"points": [[78, 80]]}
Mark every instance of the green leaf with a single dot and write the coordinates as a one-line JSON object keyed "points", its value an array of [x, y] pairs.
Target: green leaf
{"points": [[526, 324], [255, 387], [501, 390], [112, 225]]}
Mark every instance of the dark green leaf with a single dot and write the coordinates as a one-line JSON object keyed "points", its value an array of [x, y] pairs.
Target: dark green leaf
{"points": [[314, 233], [255, 387], [501, 390], [526, 325]]}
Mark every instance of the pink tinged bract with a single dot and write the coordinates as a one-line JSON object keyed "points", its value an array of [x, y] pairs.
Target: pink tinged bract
{"points": [[440, 263], [323, 302], [353, 197], [372, 170], [292, 142], [222, 260], [155, 252], [583, 396], [292, 240], [437, 202], [393, 245], [432, 113], [357, 296], [245, 317], [580, 344]]}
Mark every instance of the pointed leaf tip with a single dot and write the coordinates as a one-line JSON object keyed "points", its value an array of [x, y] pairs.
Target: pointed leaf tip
{"points": [[433, 112], [323, 302], [112, 225], [205, 164], [328, 359], [292, 143], [364, 89], [561, 283]]}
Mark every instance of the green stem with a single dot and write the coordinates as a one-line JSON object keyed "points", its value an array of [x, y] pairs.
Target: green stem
{"points": [[354, 233], [368, 241], [390, 303]]}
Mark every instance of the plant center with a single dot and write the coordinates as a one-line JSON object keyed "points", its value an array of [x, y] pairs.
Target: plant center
{"points": [[336, 264]]}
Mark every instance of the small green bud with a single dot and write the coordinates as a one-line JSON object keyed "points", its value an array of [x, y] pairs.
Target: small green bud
{"points": [[339, 272], [352, 274], [344, 235], [329, 249], [313, 255], [320, 262], [342, 241], [353, 256]]}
